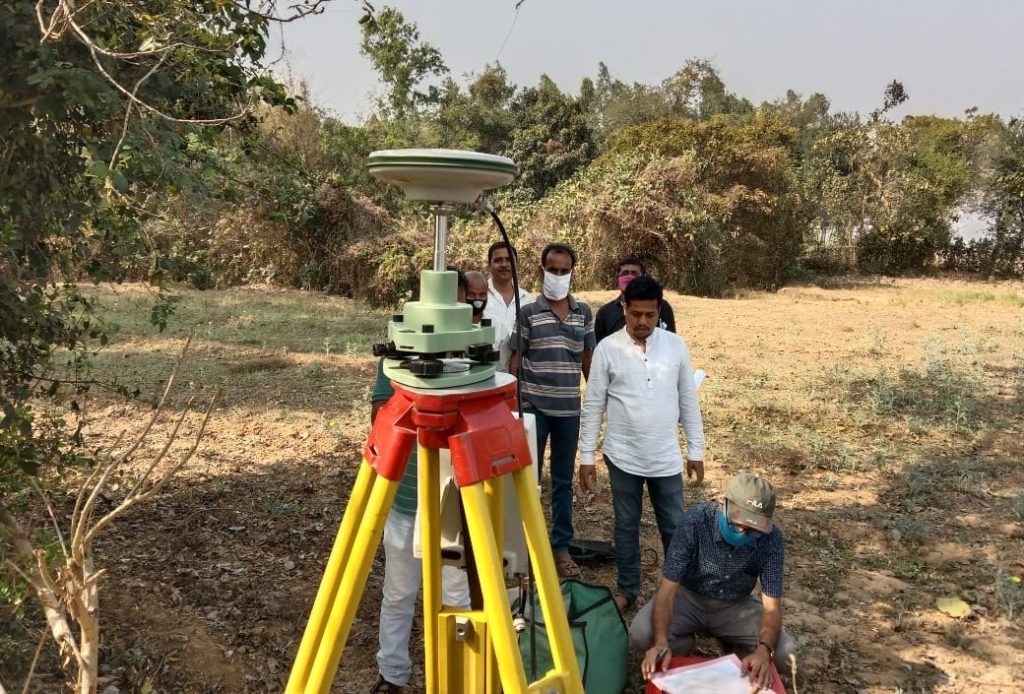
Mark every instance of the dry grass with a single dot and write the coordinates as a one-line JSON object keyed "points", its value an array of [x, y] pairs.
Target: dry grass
{"points": [[889, 414], [267, 363]]}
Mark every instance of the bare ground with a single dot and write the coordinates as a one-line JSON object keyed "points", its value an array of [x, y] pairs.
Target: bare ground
{"points": [[889, 414]]}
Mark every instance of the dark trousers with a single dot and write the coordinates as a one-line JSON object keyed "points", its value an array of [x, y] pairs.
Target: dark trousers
{"points": [[736, 623], [564, 433], [666, 495]]}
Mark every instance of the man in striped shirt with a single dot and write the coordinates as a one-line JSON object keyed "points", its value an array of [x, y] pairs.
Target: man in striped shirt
{"points": [[555, 341]]}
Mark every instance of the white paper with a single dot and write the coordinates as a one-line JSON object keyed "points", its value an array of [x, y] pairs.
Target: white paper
{"points": [[720, 676]]}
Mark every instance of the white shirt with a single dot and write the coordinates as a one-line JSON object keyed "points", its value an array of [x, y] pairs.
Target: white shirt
{"points": [[645, 394], [503, 318]]}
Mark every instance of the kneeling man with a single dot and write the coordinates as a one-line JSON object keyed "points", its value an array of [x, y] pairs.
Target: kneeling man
{"points": [[718, 553]]}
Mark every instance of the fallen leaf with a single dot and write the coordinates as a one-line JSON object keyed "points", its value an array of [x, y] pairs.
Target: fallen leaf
{"points": [[954, 607]]}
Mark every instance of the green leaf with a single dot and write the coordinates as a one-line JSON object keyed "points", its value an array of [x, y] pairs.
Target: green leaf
{"points": [[119, 182], [28, 466], [97, 168]]}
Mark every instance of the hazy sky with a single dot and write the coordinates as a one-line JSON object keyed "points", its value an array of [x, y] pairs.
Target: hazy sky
{"points": [[949, 54]]}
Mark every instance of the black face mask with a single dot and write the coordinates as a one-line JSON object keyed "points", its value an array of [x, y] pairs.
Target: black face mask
{"points": [[478, 306]]}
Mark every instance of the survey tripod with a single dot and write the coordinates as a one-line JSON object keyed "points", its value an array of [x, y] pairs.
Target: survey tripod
{"points": [[447, 396]]}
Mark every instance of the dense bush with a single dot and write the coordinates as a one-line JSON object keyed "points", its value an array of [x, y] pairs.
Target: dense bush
{"points": [[998, 255], [333, 240], [712, 205], [1001, 252]]}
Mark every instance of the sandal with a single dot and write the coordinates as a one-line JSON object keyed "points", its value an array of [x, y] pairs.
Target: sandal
{"points": [[566, 567], [385, 687]]}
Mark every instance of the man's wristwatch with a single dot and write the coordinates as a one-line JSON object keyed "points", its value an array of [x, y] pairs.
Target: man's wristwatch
{"points": [[771, 651]]}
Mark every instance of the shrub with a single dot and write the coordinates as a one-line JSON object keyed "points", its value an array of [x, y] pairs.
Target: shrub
{"points": [[325, 238], [711, 206]]}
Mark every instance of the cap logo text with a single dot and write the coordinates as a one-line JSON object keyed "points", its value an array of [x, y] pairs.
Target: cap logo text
{"points": [[755, 503]]}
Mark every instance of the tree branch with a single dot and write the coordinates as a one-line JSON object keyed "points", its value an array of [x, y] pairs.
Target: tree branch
{"points": [[38, 577], [53, 518], [94, 52], [136, 497], [32, 667], [299, 9], [79, 527], [135, 490], [20, 103], [131, 105]]}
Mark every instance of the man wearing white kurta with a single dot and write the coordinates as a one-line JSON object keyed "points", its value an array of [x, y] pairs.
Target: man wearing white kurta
{"points": [[642, 378], [501, 306]]}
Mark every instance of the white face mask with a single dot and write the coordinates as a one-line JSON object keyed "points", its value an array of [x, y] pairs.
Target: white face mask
{"points": [[556, 287]]}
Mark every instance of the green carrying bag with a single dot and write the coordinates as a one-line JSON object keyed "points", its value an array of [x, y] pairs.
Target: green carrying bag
{"points": [[598, 633]]}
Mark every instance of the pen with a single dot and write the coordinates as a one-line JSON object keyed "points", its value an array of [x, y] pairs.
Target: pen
{"points": [[661, 656]]}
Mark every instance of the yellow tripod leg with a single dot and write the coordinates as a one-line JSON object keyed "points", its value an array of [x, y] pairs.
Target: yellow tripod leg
{"points": [[494, 489], [325, 596], [560, 639], [351, 585], [428, 496], [492, 586]]}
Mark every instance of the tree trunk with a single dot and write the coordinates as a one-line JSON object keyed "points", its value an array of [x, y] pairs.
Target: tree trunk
{"points": [[89, 634]]}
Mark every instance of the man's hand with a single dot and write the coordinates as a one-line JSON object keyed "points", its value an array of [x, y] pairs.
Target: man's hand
{"points": [[588, 478], [695, 467], [656, 658], [758, 667]]}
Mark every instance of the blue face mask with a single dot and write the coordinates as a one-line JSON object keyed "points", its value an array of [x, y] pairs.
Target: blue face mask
{"points": [[731, 535]]}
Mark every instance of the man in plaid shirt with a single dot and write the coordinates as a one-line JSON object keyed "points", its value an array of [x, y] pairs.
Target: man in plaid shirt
{"points": [[718, 553]]}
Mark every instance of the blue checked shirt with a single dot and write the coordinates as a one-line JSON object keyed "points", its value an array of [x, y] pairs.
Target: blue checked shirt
{"points": [[701, 561]]}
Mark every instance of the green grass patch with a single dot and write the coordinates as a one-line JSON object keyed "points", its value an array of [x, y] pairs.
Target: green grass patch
{"points": [[268, 319], [941, 390], [963, 297]]}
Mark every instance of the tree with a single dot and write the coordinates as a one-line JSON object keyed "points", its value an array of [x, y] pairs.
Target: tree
{"points": [[810, 118], [889, 189], [697, 91], [612, 104], [478, 118], [109, 105], [70, 594], [1000, 252], [550, 139], [403, 63], [895, 95], [105, 103]]}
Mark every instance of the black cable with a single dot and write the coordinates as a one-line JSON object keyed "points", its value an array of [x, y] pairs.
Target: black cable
{"points": [[519, 403]]}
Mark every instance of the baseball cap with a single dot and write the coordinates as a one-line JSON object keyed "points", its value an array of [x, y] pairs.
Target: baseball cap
{"points": [[754, 497]]}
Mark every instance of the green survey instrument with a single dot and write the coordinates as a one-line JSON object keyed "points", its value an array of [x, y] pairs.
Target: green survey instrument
{"points": [[448, 402], [433, 342]]}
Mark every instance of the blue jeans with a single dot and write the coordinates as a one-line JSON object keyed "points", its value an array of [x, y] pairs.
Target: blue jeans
{"points": [[565, 434], [627, 501]]}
